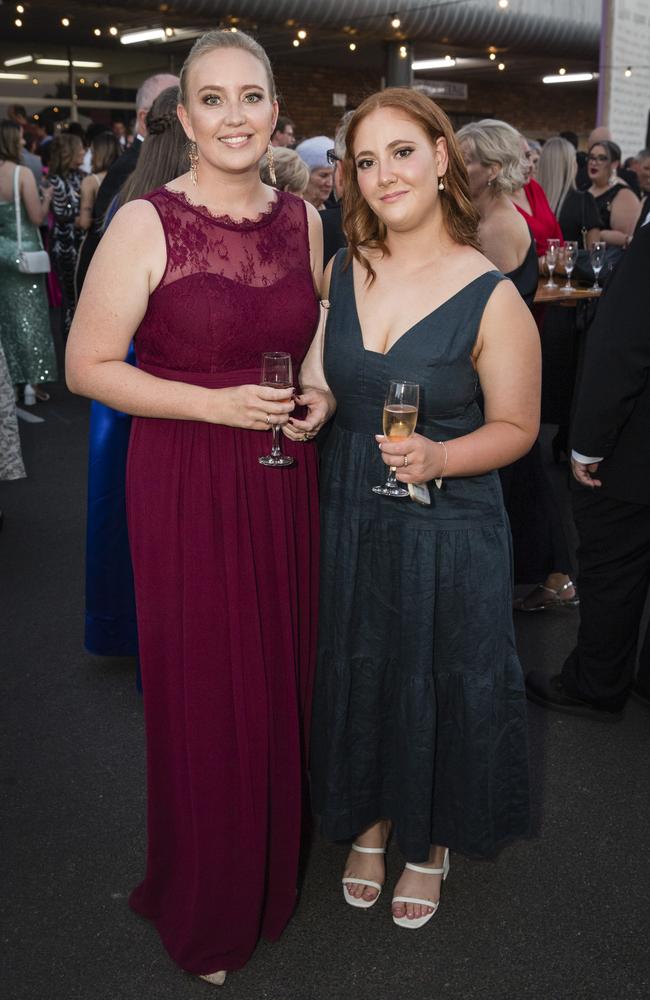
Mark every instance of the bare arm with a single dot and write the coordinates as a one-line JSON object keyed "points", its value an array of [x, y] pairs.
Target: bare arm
{"points": [[88, 195], [593, 236], [315, 392], [624, 216], [36, 209], [508, 361], [131, 256]]}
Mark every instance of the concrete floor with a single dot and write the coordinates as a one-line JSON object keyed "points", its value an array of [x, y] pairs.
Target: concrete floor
{"points": [[559, 916]]}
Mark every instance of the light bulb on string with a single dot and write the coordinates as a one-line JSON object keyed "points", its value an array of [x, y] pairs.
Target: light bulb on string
{"points": [[628, 71], [65, 22], [352, 46], [395, 21], [296, 43], [302, 34], [501, 66]]}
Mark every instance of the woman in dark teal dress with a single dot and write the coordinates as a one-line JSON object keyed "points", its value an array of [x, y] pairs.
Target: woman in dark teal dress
{"points": [[419, 722]]}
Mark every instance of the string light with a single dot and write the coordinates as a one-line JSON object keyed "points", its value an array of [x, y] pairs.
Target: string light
{"points": [[82, 80], [352, 47], [501, 66], [395, 21], [562, 71], [20, 9], [234, 30], [493, 56], [169, 32], [628, 71], [112, 31], [36, 118], [503, 4], [18, 23], [296, 43], [302, 34], [65, 22], [96, 84], [403, 52], [97, 32], [34, 79]]}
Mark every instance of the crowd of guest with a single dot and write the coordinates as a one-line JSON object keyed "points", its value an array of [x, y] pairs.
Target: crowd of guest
{"points": [[418, 731]]}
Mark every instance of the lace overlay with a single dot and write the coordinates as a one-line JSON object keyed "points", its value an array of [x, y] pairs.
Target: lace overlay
{"points": [[223, 279]]}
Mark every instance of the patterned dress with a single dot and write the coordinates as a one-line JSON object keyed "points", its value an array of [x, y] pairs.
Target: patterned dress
{"points": [[66, 238]]}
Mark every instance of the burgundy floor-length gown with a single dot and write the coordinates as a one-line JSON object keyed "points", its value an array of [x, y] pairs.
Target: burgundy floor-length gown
{"points": [[225, 557]]}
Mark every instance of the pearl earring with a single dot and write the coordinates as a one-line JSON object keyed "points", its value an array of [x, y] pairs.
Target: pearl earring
{"points": [[441, 186]]}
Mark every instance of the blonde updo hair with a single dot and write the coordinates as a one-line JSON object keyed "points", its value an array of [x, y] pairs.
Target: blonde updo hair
{"points": [[211, 41], [495, 142], [291, 173]]}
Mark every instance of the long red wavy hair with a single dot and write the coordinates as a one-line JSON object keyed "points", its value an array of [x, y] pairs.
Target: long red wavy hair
{"points": [[363, 229]]}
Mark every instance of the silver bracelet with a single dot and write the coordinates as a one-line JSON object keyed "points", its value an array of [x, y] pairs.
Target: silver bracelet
{"points": [[438, 479]]}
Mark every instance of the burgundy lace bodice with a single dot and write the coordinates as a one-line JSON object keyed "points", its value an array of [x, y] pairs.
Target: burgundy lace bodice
{"points": [[230, 290]]}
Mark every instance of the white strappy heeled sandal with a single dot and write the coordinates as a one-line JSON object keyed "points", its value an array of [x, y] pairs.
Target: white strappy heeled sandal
{"points": [[363, 904], [421, 921]]}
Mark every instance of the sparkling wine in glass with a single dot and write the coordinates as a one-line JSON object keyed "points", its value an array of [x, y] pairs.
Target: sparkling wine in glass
{"points": [[570, 258], [597, 259], [552, 252], [399, 419], [276, 374]]}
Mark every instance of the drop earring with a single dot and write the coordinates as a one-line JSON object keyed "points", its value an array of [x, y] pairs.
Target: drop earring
{"points": [[441, 185], [271, 159], [194, 162]]}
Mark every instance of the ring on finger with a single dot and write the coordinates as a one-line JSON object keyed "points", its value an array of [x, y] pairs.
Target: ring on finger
{"points": [[306, 436], [406, 460], [268, 418]]}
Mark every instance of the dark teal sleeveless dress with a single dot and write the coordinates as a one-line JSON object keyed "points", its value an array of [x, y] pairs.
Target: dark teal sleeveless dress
{"points": [[419, 706]]}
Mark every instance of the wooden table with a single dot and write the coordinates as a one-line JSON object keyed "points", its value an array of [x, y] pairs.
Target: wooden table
{"points": [[558, 297]]}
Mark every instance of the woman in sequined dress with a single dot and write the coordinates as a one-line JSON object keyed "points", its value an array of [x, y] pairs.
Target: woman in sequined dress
{"points": [[213, 269], [24, 318]]}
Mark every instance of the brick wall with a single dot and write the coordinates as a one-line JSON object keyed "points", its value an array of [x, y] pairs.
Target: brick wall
{"points": [[538, 110]]}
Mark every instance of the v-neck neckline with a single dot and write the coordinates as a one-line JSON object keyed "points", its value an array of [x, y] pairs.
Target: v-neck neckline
{"points": [[414, 326]]}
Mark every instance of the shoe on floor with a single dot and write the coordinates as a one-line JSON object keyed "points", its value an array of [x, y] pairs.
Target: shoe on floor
{"points": [[542, 597], [549, 692], [215, 978]]}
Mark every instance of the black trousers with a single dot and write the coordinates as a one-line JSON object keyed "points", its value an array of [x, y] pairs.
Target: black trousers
{"points": [[613, 580]]}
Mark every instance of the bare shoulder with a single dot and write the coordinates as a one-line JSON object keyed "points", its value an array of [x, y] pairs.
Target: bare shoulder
{"points": [[313, 218], [136, 223]]}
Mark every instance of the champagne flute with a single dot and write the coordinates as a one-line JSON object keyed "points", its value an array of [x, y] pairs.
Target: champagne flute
{"points": [[276, 374], [552, 251], [400, 418], [597, 259], [570, 258]]}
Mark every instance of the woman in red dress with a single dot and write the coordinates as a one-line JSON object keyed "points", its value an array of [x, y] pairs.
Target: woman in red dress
{"points": [[208, 273]]}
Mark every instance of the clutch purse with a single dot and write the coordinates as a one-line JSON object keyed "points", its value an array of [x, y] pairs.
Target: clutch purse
{"points": [[33, 262], [29, 261]]}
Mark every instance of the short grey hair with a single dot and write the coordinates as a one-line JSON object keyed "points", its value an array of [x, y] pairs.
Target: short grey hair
{"points": [[341, 132], [152, 87], [643, 154], [496, 142]]}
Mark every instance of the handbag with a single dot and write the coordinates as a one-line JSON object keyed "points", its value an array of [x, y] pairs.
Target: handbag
{"points": [[583, 270], [29, 261]]}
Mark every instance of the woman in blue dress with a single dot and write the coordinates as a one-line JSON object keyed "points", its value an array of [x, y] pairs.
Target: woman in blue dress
{"points": [[419, 725]]}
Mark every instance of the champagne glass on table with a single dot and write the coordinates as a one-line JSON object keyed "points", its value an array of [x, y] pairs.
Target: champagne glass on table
{"points": [[276, 374], [597, 259], [570, 258], [552, 253], [400, 418]]}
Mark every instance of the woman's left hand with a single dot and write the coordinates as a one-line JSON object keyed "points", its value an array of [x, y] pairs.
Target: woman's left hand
{"points": [[319, 405], [416, 459]]}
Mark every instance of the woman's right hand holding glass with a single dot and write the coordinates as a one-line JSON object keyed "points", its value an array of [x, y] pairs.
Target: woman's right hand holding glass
{"points": [[253, 407]]}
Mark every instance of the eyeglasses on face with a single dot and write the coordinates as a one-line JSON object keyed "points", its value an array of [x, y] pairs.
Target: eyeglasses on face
{"points": [[332, 158], [597, 159]]}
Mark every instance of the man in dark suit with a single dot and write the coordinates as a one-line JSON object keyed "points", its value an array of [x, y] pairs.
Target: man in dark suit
{"points": [[611, 503], [125, 164]]}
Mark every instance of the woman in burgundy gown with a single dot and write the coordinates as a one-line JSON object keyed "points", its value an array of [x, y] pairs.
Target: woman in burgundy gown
{"points": [[224, 549]]}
